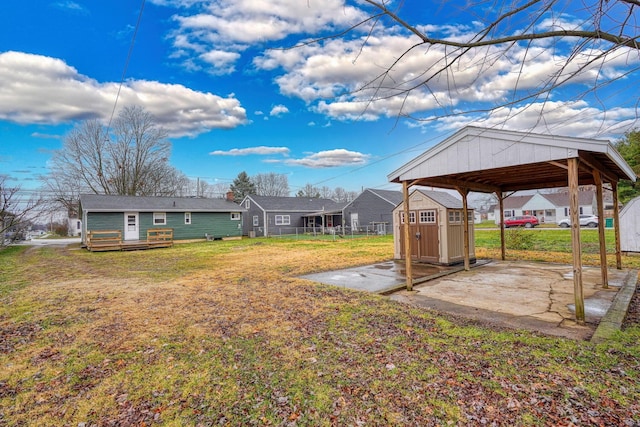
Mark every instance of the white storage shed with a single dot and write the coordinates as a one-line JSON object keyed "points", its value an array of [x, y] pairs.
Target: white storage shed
{"points": [[630, 226]]}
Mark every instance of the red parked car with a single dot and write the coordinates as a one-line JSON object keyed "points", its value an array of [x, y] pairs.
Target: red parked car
{"points": [[527, 221]]}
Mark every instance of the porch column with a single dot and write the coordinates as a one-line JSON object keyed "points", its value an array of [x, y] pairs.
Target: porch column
{"points": [[603, 247], [575, 238], [407, 237], [616, 224], [501, 204], [465, 226]]}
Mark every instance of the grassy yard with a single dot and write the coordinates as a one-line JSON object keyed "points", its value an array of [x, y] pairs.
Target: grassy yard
{"points": [[223, 333]]}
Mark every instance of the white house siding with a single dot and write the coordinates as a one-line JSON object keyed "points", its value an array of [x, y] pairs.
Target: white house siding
{"points": [[540, 207], [630, 226]]}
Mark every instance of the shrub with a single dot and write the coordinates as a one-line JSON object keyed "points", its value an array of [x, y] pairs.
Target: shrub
{"points": [[519, 239]]}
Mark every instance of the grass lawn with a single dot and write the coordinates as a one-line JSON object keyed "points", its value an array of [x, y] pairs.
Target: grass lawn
{"points": [[223, 333]]}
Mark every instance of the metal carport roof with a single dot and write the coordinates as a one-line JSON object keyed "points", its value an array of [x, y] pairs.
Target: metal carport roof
{"points": [[490, 160], [500, 161]]}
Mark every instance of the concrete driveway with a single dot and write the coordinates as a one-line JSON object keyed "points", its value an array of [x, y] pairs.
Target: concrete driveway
{"points": [[513, 294]]}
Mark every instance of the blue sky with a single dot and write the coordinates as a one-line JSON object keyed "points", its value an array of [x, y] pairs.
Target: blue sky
{"points": [[214, 74]]}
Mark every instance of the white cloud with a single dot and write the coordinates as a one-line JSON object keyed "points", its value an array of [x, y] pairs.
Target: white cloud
{"points": [[262, 150], [222, 62], [330, 158], [45, 90], [349, 78], [45, 135], [557, 118], [278, 110], [236, 25]]}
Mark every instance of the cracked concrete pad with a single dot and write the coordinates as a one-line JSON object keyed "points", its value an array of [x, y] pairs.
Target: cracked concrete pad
{"points": [[528, 295]]}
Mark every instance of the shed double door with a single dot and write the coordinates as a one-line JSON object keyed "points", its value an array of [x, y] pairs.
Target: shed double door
{"points": [[425, 245]]}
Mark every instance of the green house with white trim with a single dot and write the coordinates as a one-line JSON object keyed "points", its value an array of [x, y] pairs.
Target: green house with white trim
{"points": [[189, 218]]}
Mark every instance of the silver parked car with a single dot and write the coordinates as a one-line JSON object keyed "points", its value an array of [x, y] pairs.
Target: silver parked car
{"points": [[585, 221]]}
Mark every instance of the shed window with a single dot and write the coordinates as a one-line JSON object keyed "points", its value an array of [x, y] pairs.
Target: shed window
{"points": [[455, 217], [247, 204], [187, 218], [159, 218], [256, 221], [235, 216], [283, 220], [428, 217], [412, 217]]}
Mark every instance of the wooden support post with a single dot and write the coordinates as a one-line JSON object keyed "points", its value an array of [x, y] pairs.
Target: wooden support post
{"points": [[407, 237], [616, 224], [603, 247], [465, 226], [575, 238], [502, 245]]}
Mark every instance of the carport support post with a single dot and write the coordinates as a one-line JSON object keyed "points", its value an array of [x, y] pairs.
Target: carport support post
{"points": [[597, 178], [465, 226], [616, 224], [502, 246], [572, 164], [407, 236]]}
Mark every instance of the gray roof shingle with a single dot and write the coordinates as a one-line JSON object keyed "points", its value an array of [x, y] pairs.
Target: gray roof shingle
{"points": [[296, 204], [110, 203]]}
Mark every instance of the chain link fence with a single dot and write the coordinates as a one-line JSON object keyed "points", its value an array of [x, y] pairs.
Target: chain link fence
{"points": [[324, 232]]}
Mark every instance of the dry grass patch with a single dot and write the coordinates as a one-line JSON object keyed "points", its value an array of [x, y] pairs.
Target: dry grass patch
{"points": [[222, 333]]}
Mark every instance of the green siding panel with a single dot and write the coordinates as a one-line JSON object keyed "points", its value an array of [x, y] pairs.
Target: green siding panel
{"points": [[105, 221], [216, 224]]}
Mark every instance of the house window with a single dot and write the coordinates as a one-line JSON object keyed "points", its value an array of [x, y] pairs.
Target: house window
{"points": [[247, 204], [159, 218], [187, 218], [256, 221], [283, 220], [455, 217], [508, 214], [428, 217], [235, 216]]}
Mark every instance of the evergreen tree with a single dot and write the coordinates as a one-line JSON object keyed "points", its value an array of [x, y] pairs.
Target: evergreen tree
{"points": [[629, 148], [242, 186]]}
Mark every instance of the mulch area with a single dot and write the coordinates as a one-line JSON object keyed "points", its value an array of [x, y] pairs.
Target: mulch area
{"points": [[633, 315]]}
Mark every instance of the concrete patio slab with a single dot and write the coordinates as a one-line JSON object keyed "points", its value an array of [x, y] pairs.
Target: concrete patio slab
{"points": [[513, 294]]}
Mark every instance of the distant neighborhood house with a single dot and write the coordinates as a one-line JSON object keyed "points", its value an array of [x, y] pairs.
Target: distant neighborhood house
{"points": [[189, 218], [372, 209], [547, 207], [271, 215]]}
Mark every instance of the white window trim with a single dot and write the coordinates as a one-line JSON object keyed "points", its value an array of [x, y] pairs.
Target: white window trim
{"points": [[157, 216], [187, 218], [235, 216], [283, 219], [428, 219], [256, 220]]}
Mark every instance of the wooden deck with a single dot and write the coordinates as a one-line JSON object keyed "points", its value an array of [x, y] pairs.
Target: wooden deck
{"points": [[111, 240]]}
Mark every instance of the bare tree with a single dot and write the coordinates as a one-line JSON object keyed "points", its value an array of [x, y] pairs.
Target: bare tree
{"points": [[452, 69], [326, 192], [308, 191], [132, 158], [271, 184], [16, 208]]}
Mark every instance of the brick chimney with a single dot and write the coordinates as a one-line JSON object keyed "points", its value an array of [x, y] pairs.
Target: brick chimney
{"points": [[230, 196]]}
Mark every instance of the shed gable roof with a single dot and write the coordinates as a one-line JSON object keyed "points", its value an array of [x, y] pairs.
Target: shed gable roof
{"points": [[110, 203], [442, 198]]}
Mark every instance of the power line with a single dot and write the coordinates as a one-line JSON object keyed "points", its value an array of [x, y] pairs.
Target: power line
{"points": [[126, 64]]}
